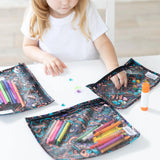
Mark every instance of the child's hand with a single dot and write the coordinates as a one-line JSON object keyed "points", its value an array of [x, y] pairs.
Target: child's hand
{"points": [[120, 79], [53, 65]]}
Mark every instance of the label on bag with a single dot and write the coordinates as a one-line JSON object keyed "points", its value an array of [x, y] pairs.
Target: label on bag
{"points": [[151, 75]]}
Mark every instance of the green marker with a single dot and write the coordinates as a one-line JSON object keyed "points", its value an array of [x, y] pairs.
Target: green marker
{"points": [[4, 93], [66, 127]]}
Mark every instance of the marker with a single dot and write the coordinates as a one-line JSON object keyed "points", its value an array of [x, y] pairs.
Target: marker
{"points": [[13, 91], [56, 131], [63, 133], [9, 91], [110, 142], [4, 93], [108, 128], [51, 133], [18, 94], [114, 144], [3, 98]]}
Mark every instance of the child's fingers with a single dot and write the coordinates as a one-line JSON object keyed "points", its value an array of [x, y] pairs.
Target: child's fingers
{"points": [[115, 80], [55, 69]]}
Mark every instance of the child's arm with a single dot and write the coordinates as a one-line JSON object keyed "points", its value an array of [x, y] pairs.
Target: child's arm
{"points": [[52, 64], [108, 55]]}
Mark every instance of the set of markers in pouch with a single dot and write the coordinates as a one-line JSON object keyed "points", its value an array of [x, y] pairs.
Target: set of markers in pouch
{"points": [[84, 130], [20, 91]]}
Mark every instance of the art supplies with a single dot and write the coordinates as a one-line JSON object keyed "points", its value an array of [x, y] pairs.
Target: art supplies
{"points": [[20, 91], [124, 97], [82, 122]]}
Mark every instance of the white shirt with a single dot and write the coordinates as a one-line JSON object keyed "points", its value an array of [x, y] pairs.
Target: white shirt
{"points": [[64, 42]]}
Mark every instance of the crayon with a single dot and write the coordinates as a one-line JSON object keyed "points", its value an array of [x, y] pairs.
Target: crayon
{"points": [[50, 129], [3, 98], [106, 134], [18, 94], [61, 129], [114, 144], [4, 93], [63, 133], [13, 91], [86, 133], [110, 135], [110, 142], [107, 128], [105, 140], [51, 133], [55, 132], [9, 91], [104, 126]]}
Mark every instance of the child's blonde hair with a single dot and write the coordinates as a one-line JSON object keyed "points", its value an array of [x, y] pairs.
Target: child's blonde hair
{"points": [[40, 18]]}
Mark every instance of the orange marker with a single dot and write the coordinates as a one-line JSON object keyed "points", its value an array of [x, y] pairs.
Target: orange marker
{"points": [[115, 144], [108, 128], [145, 96], [18, 95]]}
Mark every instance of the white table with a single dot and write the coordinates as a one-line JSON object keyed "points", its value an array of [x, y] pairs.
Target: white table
{"points": [[18, 143]]}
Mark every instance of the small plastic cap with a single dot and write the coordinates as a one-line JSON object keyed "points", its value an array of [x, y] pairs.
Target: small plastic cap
{"points": [[145, 87], [144, 108]]}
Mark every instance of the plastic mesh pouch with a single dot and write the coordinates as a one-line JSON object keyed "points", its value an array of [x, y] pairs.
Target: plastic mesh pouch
{"points": [[124, 97], [80, 140], [20, 91]]}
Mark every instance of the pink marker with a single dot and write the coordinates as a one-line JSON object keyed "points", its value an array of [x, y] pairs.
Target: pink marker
{"points": [[13, 91], [56, 132], [53, 130], [3, 98]]}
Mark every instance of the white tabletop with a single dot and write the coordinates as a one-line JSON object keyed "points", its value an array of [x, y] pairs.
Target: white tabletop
{"points": [[18, 143]]}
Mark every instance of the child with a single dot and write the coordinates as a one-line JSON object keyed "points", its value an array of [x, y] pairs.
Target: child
{"points": [[56, 31]]}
